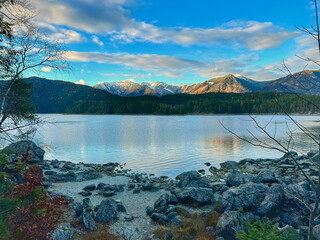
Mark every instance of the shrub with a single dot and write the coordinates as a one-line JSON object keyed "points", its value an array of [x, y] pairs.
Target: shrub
{"points": [[263, 229], [26, 211]]}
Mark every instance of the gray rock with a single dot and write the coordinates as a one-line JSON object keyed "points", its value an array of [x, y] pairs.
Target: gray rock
{"points": [[159, 218], [121, 207], [69, 166], [312, 153], [272, 202], [48, 173], [232, 222], [101, 186], [247, 196], [128, 218], [161, 205], [78, 208], [21, 147], [297, 198], [149, 187], [89, 188], [235, 178], [170, 208], [85, 193], [149, 210], [208, 164], [229, 165], [195, 195], [88, 221], [107, 211], [172, 215], [191, 174], [55, 163], [190, 181], [136, 191], [289, 154], [108, 193], [316, 232], [176, 221], [88, 175], [217, 186], [63, 232], [63, 177], [266, 176]]}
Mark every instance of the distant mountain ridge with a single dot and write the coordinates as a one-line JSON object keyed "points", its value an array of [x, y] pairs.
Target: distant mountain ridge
{"points": [[306, 82], [229, 84]]}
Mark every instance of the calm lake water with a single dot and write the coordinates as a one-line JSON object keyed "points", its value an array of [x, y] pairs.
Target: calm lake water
{"points": [[163, 145]]}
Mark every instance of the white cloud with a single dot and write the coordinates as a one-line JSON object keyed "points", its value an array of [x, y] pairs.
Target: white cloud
{"points": [[133, 75], [96, 40], [46, 69], [251, 34], [81, 82], [60, 34], [112, 17], [175, 67]]}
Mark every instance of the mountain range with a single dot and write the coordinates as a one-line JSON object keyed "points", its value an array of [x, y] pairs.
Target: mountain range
{"points": [[55, 96], [229, 84], [305, 82]]}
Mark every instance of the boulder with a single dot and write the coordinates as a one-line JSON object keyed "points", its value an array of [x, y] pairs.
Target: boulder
{"points": [[190, 181], [89, 188], [289, 154], [107, 211], [232, 222], [121, 207], [297, 198], [235, 178], [229, 165], [22, 147], [191, 174], [266, 176], [63, 232], [87, 215], [159, 218], [272, 202], [149, 187], [176, 221], [247, 196], [149, 210], [161, 205], [55, 163], [195, 195], [88, 221]]}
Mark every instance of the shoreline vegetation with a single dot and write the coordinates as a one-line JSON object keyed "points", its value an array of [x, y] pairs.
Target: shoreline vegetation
{"points": [[107, 201]]}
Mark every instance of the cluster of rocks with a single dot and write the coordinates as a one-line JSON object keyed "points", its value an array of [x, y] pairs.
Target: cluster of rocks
{"points": [[241, 192]]}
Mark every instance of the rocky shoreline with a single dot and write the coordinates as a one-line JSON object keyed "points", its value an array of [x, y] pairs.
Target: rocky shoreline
{"points": [[137, 204]]}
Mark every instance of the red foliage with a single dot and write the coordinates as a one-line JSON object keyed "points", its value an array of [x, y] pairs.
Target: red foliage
{"points": [[38, 219], [38, 213], [26, 157], [32, 179]]}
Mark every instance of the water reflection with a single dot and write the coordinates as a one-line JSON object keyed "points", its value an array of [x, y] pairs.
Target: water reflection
{"points": [[160, 144]]}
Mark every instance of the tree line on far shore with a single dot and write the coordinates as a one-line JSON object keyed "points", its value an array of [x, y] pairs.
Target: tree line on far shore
{"points": [[210, 103]]}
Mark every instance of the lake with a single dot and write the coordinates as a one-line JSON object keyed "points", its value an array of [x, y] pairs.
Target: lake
{"points": [[163, 145]]}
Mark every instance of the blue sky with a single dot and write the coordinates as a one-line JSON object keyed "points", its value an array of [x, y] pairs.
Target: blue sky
{"points": [[176, 41]]}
